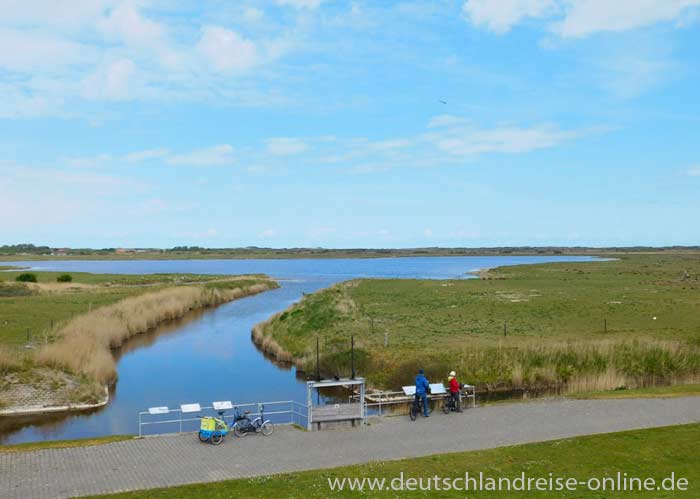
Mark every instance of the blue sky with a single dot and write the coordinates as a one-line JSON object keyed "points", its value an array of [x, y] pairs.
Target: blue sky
{"points": [[320, 123]]}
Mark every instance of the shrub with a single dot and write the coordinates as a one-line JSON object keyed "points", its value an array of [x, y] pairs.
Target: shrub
{"points": [[26, 277], [65, 278]]}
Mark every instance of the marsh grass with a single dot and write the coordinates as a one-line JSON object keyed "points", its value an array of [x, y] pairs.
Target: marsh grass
{"points": [[9, 360], [569, 326], [84, 344]]}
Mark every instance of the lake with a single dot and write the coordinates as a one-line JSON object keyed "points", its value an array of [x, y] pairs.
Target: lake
{"points": [[209, 355]]}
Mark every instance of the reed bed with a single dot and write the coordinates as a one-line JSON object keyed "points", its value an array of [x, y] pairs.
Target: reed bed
{"points": [[9, 360], [84, 344], [574, 366]]}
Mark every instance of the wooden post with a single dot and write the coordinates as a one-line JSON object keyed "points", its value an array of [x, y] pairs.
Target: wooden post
{"points": [[386, 339], [605, 325], [505, 329]]}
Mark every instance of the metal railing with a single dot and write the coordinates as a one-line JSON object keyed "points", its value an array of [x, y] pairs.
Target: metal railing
{"points": [[286, 412], [387, 400]]}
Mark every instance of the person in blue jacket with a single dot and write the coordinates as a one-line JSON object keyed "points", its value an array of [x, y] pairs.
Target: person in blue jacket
{"points": [[422, 387]]}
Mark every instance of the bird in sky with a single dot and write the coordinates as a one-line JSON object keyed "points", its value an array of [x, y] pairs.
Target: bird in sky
{"points": [[442, 101]]}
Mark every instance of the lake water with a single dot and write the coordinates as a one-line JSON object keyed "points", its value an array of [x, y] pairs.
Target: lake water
{"points": [[209, 355]]}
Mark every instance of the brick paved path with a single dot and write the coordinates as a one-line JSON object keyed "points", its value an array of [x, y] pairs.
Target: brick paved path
{"points": [[179, 459]]}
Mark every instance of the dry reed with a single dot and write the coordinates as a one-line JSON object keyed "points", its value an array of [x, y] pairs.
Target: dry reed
{"points": [[84, 344]]}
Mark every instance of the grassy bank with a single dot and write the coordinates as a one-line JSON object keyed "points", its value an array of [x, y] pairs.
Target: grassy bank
{"points": [[56, 338], [63, 444], [632, 322], [642, 453], [653, 392]]}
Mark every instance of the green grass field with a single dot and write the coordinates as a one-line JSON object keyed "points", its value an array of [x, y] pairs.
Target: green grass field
{"points": [[25, 318], [61, 334], [596, 325], [63, 444], [642, 454]]}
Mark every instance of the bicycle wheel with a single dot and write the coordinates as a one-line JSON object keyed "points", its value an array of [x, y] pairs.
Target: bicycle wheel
{"points": [[446, 405], [216, 438], [412, 412], [267, 428], [238, 431], [202, 437]]}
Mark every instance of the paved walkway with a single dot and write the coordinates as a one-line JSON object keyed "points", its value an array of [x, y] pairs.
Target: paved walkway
{"points": [[179, 459]]}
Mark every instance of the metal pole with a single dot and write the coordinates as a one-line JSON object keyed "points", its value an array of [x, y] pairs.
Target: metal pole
{"points": [[308, 407], [352, 355], [180, 421], [318, 371], [139, 424]]}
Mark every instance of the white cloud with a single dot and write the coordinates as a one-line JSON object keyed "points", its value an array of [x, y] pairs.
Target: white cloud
{"points": [[89, 161], [125, 23], [500, 16], [220, 155], [226, 50], [576, 18], [629, 76], [146, 155], [286, 146], [268, 233], [301, 4], [444, 120], [693, 171], [112, 82], [505, 139], [23, 50], [253, 15], [428, 232], [584, 17]]}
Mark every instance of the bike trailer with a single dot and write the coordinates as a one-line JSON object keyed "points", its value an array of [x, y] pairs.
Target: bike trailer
{"points": [[208, 424]]}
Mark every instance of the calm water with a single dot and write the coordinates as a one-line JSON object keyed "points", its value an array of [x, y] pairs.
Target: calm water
{"points": [[209, 355]]}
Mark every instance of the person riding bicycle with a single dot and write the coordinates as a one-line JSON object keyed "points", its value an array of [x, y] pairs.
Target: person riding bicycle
{"points": [[422, 388], [454, 389]]}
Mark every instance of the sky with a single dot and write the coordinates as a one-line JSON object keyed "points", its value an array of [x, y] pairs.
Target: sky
{"points": [[153, 123]]}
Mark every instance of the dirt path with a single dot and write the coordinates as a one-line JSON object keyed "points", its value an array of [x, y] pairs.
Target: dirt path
{"points": [[179, 459]]}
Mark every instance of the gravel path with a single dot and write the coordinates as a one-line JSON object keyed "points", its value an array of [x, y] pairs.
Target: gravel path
{"points": [[180, 459]]}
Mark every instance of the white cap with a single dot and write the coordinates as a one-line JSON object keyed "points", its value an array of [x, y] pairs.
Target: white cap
{"points": [[452, 373]]}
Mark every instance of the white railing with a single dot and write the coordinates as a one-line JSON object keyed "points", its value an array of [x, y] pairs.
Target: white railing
{"points": [[286, 412]]}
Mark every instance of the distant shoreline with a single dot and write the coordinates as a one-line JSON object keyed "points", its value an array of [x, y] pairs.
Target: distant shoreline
{"points": [[321, 254]]}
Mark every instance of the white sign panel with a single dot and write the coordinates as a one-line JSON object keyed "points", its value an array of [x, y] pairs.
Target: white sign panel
{"points": [[437, 388], [158, 410], [222, 405], [409, 390], [190, 408]]}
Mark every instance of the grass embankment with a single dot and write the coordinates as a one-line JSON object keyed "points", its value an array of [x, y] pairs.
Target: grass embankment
{"points": [[652, 392], [582, 326], [640, 454], [72, 327], [64, 444]]}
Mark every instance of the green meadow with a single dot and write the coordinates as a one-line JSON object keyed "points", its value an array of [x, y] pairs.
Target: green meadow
{"points": [[631, 322]]}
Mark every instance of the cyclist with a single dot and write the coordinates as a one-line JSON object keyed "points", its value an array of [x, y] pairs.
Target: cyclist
{"points": [[454, 389], [422, 387]]}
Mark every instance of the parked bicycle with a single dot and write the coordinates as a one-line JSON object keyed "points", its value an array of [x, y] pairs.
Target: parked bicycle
{"points": [[417, 408], [214, 429], [450, 405], [242, 424]]}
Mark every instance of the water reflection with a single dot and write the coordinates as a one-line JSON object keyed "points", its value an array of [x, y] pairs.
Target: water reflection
{"points": [[209, 355]]}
